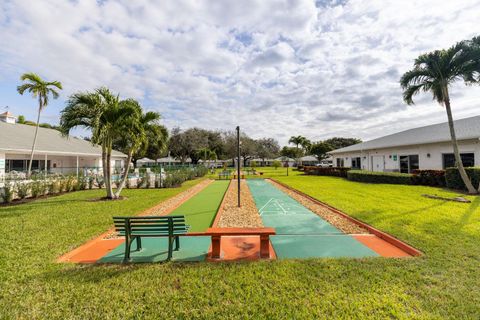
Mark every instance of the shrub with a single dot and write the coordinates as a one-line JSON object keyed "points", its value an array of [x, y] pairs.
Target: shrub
{"points": [[329, 171], [174, 179], [23, 189], [81, 183], [454, 181], [100, 182], [37, 189], [435, 178], [70, 184], [7, 192], [200, 171], [141, 182], [379, 177], [53, 187], [91, 181], [276, 164]]}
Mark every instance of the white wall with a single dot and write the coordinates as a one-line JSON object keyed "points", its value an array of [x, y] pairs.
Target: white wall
{"points": [[66, 164], [434, 161], [2, 164]]}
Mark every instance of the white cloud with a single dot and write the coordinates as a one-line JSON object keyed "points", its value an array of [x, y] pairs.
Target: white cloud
{"points": [[277, 68]]}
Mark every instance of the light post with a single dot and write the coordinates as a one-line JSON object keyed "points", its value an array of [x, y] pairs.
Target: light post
{"points": [[285, 159], [238, 163]]}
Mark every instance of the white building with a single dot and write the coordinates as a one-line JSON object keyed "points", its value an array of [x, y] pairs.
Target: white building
{"points": [[54, 153], [8, 117], [427, 147]]}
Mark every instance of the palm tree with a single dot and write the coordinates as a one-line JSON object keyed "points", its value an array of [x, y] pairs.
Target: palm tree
{"points": [[101, 112], [41, 90], [134, 134], [297, 141], [433, 72]]}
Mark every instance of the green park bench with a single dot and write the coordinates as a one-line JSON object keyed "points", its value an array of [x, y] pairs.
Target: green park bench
{"points": [[136, 228], [224, 175]]}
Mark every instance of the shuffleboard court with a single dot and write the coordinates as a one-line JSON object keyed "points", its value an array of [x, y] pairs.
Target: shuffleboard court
{"points": [[300, 232], [200, 210]]}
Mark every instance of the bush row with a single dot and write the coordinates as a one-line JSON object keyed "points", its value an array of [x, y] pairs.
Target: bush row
{"points": [[454, 180], [328, 171], [37, 188], [435, 178], [379, 177]]}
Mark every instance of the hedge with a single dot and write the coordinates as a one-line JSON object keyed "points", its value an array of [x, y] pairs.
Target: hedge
{"points": [[434, 178], [328, 171], [454, 181], [379, 177]]}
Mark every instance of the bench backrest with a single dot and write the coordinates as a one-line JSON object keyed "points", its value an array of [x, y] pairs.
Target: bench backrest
{"points": [[150, 225]]}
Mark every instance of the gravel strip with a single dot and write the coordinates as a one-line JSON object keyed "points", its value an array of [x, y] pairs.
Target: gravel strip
{"points": [[335, 219], [244, 217], [167, 206]]}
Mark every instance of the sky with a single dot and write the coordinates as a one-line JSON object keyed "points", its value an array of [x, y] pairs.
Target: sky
{"points": [[276, 68]]}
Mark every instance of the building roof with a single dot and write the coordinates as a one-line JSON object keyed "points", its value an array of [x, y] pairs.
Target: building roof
{"points": [[7, 114], [465, 129], [18, 138], [308, 158]]}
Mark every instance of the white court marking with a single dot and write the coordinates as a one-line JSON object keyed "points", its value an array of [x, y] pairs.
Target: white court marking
{"points": [[277, 206]]}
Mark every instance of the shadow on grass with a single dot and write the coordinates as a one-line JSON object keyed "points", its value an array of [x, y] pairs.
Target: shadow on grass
{"points": [[465, 218]]}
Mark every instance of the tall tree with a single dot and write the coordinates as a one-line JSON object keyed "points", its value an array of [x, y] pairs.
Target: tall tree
{"points": [[320, 149], [41, 90], [340, 142], [297, 141], [290, 152], [267, 148], [434, 72], [102, 113]]}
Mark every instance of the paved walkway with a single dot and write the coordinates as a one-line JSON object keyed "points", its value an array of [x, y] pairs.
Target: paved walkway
{"points": [[300, 232]]}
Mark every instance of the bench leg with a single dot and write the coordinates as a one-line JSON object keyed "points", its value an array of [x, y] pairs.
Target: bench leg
{"points": [[216, 242], [128, 243], [264, 247], [177, 243], [139, 243], [170, 247]]}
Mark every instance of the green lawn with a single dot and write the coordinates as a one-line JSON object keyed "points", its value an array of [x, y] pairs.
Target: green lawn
{"points": [[268, 172], [445, 283]]}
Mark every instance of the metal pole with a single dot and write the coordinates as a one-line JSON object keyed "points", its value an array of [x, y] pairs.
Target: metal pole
{"points": [[238, 163]]}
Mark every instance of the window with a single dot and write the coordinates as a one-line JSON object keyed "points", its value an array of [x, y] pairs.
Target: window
{"points": [[468, 160], [409, 163], [340, 162], [356, 163]]}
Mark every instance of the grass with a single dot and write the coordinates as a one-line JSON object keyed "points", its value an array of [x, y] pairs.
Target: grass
{"points": [[444, 283], [268, 172]]}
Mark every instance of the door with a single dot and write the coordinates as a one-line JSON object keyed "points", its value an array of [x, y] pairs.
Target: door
{"points": [[404, 168], [378, 163]]}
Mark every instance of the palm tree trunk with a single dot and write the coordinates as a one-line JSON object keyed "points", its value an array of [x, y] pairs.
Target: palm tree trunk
{"points": [[108, 178], [458, 160], [104, 165], [125, 175], [29, 170]]}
